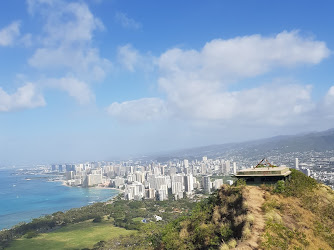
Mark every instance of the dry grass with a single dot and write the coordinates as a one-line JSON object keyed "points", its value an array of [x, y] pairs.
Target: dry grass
{"points": [[254, 220], [292, 222]]}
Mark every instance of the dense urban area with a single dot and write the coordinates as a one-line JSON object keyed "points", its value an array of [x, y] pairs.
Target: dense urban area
{"points": [[183, 178]]}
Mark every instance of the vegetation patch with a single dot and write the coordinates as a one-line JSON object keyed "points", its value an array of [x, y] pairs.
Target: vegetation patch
{"points": [[278, 236], [75, 236], [299, 215], [215, 222]]}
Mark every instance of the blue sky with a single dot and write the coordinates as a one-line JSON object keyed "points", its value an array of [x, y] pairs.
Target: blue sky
{"points": [[99, 80]]}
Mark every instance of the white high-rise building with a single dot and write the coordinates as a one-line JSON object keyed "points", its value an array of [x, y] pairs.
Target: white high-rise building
{"points": [[163, 193], [186, 163], [134, 191], [228, 166], [225, 168], [178, 178], [140, 176], [205, 158], [157, 181], [150, 193], [203, 168], [308, 172], [234, 167], [297, 164], [176, 187]]}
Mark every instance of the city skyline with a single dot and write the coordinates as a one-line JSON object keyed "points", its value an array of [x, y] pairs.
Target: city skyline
{"points": [[98, 80]]}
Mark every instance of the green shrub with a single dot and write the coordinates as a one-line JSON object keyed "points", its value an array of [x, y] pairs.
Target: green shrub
{"points": [[280, 187], [31, 234], [241, 182], [97, 219], [299, 184]]}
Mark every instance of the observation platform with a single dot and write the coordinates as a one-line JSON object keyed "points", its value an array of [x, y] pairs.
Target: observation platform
{"points": [[261, 175]]}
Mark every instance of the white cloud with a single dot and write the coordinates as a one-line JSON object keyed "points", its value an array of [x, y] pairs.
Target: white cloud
{"points": [[131, 59], [69, 23], [196, 83], [127, 22], [9, 34], [66, 47], [84, 63], [25, 97], [139, 110], [128, 57], [242, 57], [77, 89], [329, 98]]}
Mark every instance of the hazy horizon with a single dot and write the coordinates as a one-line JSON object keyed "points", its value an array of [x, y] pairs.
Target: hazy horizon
{"points": [[100, 80]]}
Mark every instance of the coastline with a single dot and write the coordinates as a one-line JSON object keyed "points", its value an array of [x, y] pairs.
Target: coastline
{"points": [[26, 200], [98, 186]]}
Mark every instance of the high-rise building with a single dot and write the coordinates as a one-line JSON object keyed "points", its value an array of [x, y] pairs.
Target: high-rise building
{"points": [[297, 164], [225, 168], [54, 168], [206, 184], [234, 167], [228, 166], [150, 193], [203, 168], [134, 191], [60, 168], [163, 193], [140, 176], [308, 172], [186, 163], [69, 175], [189, 183], [205, 158], [176, 187], [172, 171]]}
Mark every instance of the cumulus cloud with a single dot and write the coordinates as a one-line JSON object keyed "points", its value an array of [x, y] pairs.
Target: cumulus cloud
{"points": [[77, 89], [85, 63], [197, 82], [131, 59], [25, 97], [9, 34], [325, 108], [127, 22], [139, 110], [242, 57], [329, 98], [128, 57], [66, 46]]}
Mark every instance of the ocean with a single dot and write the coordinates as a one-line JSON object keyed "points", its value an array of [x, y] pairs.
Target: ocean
{"points": [[24, 197]]}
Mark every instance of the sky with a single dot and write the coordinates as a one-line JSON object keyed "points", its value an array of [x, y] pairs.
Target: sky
{"points": [[109, 79]]}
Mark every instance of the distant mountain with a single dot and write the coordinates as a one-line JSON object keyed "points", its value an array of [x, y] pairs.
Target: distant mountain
{"points": [[316, 141]]}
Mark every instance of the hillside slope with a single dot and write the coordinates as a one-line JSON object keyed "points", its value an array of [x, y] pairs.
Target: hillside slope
{"points": [[298, 214]]}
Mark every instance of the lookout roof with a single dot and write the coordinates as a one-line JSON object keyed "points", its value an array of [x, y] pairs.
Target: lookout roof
{"points": [[264, 171]]}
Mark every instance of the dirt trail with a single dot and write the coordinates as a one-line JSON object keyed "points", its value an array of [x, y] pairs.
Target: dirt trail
{"points": [[254, 197]]}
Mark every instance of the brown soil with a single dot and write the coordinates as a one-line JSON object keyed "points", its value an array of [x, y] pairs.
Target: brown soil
{"points": [[254, 197]]}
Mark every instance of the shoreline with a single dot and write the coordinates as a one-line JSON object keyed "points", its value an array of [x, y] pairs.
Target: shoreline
{"points": [[99, 187], [12, 221]]}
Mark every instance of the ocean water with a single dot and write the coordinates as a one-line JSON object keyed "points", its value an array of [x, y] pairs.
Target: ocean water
{"points": [[24, 197]]}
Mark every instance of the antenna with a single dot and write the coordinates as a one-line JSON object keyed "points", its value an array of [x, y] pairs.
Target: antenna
{"points": [[264, 162]]}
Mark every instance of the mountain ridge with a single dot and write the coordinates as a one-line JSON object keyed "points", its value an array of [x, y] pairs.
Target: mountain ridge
{"points": [[311, 141]]}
